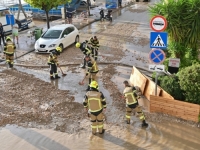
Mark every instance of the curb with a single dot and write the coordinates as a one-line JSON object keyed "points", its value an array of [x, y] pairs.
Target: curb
{"points": [[65, 65]]}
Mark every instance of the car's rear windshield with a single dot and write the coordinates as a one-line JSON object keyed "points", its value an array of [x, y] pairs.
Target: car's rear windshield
{"points": [[52, 34]]}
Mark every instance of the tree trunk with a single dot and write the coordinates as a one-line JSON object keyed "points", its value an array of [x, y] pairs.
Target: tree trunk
{"points": [[21, 8], [47, 18], [88, 6]]}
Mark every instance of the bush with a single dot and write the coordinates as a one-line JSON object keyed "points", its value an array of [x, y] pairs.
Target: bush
{"points": [[190, 82], [171, 85]]}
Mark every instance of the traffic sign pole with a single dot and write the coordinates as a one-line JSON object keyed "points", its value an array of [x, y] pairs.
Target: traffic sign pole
{"points": [[156, 83]]}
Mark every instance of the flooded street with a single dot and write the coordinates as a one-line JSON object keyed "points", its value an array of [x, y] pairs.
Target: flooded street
{"points": [[159, 136], [39, 114]]}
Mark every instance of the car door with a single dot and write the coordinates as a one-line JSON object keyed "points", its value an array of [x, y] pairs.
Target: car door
{"points": [[65, 38], [72, 35]]}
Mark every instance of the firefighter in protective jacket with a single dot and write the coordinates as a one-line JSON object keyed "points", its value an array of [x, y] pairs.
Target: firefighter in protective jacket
{"points": [[95, 46], [85, 49], [92, 69], [53, 63], [95, 103], [132, 103], [9, 49]]}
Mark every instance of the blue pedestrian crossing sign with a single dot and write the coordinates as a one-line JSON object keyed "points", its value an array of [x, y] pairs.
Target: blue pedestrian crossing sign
{"points": [[158, 40], [157, 56]]}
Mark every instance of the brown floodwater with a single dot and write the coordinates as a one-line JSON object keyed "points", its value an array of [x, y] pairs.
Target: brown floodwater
{"points": [[158, 136]]}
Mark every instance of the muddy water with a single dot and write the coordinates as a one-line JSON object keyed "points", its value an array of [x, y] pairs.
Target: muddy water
{"points": [[158, 136]]}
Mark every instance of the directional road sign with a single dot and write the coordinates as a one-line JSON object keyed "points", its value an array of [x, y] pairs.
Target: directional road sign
{"points": [[157, 68], [158, 40], [156, 56], [158, 23]]}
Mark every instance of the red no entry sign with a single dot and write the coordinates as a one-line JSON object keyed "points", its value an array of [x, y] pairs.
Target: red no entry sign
{"points": [[158, 23]]}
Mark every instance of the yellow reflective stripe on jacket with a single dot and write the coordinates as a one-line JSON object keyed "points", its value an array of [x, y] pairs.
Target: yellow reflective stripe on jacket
{"points": [[93, 127], [132, 96], [100, 126], [52, 59], [93, 68], [8, 52], [88, 50], [96, 99]]}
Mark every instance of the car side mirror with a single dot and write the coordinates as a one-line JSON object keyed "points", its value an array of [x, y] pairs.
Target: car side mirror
{"points": [[65, 36]]}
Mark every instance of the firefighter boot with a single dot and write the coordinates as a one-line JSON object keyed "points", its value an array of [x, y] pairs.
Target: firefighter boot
{"points": [[102, 131], [83, 65], [144, 124], [57, 77], [11, 65], [52, 78], [128, 121]]}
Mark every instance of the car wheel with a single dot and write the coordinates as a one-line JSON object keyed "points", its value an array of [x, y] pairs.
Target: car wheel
{"points": [[76, 39], [61, 46]]}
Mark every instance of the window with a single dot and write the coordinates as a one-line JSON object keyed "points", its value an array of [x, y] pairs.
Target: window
{"points": [[71, 29], [55, 34]]}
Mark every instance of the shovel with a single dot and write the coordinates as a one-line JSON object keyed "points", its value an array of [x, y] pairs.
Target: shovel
{"points": [[63, 74]]}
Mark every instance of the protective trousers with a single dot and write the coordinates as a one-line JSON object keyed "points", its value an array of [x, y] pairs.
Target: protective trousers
{"points": [[53, 70], [95, 53], [84, 62], [138, 110], [97, 122], [9, 60]]}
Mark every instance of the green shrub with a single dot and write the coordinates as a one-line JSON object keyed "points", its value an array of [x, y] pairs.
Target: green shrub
{"points": [[171, 85], [190, 82]]}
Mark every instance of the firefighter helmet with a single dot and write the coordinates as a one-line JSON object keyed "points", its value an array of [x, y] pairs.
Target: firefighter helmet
{"points": [[78, 44], [94, 84], [58, 50]]}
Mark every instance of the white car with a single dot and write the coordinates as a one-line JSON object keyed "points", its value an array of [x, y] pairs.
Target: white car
{"points": [[59, 35]]}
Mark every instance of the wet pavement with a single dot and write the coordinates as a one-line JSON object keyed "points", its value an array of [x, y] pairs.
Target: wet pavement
{"points": [[52, 111]]}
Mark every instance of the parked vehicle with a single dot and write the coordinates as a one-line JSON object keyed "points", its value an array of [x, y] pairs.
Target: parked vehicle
{"points": [[23, 24], [59, 35]]}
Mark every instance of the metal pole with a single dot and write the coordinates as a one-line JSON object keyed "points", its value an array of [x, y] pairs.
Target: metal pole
{"points": [[156, 84]]}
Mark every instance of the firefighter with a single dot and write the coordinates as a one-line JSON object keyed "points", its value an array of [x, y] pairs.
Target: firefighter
{"points": [[9, 49], [86, 51], [95, 103], [95, 46], [92, 69], [132, 103], [53, 63]]}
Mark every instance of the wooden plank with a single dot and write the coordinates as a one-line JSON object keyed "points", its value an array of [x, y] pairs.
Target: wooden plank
{"points": [[175, 108], [192, 110], [166, 95], [138, 79], [192, 118], [150, 89], [190, 105], [179, 107]]}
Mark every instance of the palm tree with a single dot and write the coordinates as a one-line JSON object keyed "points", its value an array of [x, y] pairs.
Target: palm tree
{"points": [[183, 17]]}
